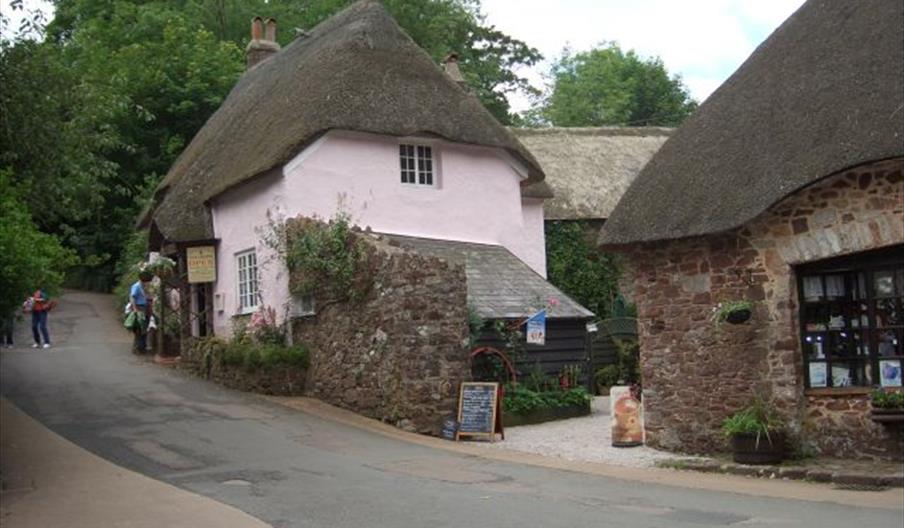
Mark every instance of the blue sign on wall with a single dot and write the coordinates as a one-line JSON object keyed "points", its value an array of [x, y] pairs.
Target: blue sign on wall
{"points": [[536, 328]]}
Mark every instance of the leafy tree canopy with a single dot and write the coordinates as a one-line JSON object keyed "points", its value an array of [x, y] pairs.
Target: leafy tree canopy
{"points": [[575, 265], [609, 86], [29, 259]]}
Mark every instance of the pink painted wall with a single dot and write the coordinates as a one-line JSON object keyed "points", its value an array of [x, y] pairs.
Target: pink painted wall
{"points": [[476, 199]]}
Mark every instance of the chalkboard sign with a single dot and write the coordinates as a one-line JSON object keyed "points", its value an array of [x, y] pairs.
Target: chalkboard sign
{"points": [[450, 428], [477, 406]]}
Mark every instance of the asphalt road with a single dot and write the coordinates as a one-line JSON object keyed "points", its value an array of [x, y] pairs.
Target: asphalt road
{"points": [[292, 469]]}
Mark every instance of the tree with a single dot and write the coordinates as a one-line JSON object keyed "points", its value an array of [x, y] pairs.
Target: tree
{"points": [[608, 86], [29, 259], [576, 266]]}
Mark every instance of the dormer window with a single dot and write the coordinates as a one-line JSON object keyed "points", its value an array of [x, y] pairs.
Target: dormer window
{"points": [[416, 163]]}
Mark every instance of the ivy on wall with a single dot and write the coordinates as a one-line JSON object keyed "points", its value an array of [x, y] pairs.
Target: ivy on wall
{"points": [[326, 259], [577, 266]]}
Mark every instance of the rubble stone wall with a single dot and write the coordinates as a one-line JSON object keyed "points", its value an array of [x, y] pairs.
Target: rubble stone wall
{"points": [[696, 373], [400, 354]]}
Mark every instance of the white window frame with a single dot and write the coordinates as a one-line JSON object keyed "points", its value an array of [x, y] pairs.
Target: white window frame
{"points": [[418, 164], [247, 285]]}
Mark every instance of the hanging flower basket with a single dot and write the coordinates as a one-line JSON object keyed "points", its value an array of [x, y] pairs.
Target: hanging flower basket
{"points": [[733, 312], [162, 267]]}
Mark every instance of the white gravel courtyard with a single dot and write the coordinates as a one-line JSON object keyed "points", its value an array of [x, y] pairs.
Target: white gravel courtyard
{"points": [[587, 438]]}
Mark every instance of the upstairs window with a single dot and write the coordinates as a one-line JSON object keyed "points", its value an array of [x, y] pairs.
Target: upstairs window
{"points": [[416, 163], [246, 265]]}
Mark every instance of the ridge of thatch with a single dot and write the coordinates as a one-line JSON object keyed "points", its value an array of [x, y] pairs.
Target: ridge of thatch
{"points": [[358, 71], [589, 168], [823, 93]]}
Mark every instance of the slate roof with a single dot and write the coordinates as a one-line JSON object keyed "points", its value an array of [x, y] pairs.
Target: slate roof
{"points": [[500, 285], [589, 169], [358, 71], [825, 92]]}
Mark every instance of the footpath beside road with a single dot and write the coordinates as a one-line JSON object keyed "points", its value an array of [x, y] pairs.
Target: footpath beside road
{"points": [[47, 481]]}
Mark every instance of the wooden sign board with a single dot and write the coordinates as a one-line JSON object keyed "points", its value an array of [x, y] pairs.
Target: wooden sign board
{"points": [[477, 409], [202, 264]]}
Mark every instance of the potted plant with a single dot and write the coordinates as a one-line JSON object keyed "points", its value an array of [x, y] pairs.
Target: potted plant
{"points": [[756, 434], [888, 406], [162, 267], [734, 312], [605, 378]]}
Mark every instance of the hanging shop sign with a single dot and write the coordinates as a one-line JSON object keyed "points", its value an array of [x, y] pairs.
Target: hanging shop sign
{"points": [[536, 328], [202, 264]]}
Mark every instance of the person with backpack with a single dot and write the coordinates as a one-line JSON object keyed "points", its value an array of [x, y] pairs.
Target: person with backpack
{"points": [[39, 304]]}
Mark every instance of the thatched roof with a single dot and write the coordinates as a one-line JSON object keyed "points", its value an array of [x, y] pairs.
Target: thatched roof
{"points": [[823, 93], [500, 285], [356, 71], [589, 169]]}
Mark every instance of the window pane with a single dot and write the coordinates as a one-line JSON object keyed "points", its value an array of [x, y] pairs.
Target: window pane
{"points": [[817, 373], [884, 283], [815, 346], [889, 343], [888, 312], [812, 288], [890, 373], [850, 374]]}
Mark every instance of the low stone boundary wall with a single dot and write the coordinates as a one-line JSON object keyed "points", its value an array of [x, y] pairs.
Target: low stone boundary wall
{"points": [[204, 358]]}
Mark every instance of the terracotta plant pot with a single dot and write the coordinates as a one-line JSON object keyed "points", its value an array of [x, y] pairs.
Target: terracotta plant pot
{"points": [[748, 449], [738, 316]]}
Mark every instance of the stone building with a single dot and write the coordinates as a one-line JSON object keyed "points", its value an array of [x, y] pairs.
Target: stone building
{"points": [[786, 189]]}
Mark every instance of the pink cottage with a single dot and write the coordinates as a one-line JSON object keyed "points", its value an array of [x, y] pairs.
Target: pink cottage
{"points": [[356, 118]]}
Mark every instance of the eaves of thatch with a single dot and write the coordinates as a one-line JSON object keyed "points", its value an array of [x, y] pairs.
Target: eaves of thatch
{"points": [[356, 71], [823, 93], [589, 169]]}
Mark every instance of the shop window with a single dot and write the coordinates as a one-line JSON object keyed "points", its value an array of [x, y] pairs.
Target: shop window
{"points": [[852, 320]]}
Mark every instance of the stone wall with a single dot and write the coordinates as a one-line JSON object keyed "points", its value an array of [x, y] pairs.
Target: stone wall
{"points": [[695, 373], [400, 354]]}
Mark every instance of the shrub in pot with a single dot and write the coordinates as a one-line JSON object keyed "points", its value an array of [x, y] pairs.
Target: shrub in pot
{"points": [[756, 435], [734, 312], [887, 406], [605, 378]]}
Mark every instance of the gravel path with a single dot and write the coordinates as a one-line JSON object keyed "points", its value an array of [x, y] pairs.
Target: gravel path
{"points": [[587, 438]]}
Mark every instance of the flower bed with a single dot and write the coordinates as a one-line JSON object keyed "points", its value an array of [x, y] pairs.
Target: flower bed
{"points": [[522, 406], [265, 368]]}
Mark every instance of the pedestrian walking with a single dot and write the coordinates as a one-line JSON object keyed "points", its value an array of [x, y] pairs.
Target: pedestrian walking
{"points": [[39, 304], [140, 305], [7, 326]]}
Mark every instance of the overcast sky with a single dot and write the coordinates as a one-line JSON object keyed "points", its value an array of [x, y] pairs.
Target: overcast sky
{"points": [[702, 40]]}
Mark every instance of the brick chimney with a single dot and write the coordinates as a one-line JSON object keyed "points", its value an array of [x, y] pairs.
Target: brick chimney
{"points": [[263, 42], [450, 65]]}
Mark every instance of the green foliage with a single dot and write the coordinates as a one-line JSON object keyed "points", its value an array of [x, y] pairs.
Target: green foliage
{"points": [[323, 258], [476, 325], [723, 310], [29, 259], [758, 418], [607, 376], [575, 265], [521, 400], [886, 399], [134, 252], [252, 356], [628, 362], [609, 86]]}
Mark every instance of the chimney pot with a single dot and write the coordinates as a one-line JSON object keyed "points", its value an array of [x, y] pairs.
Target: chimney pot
{"points": [[271, 29], [257, 28], [450, 65]]}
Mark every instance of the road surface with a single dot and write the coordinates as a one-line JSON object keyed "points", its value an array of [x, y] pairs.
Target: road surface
{"points": [[292, 469]]}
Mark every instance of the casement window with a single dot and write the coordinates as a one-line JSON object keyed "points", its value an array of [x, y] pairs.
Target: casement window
{"points": [[246, 266], [417, 166], [852, 320]]}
